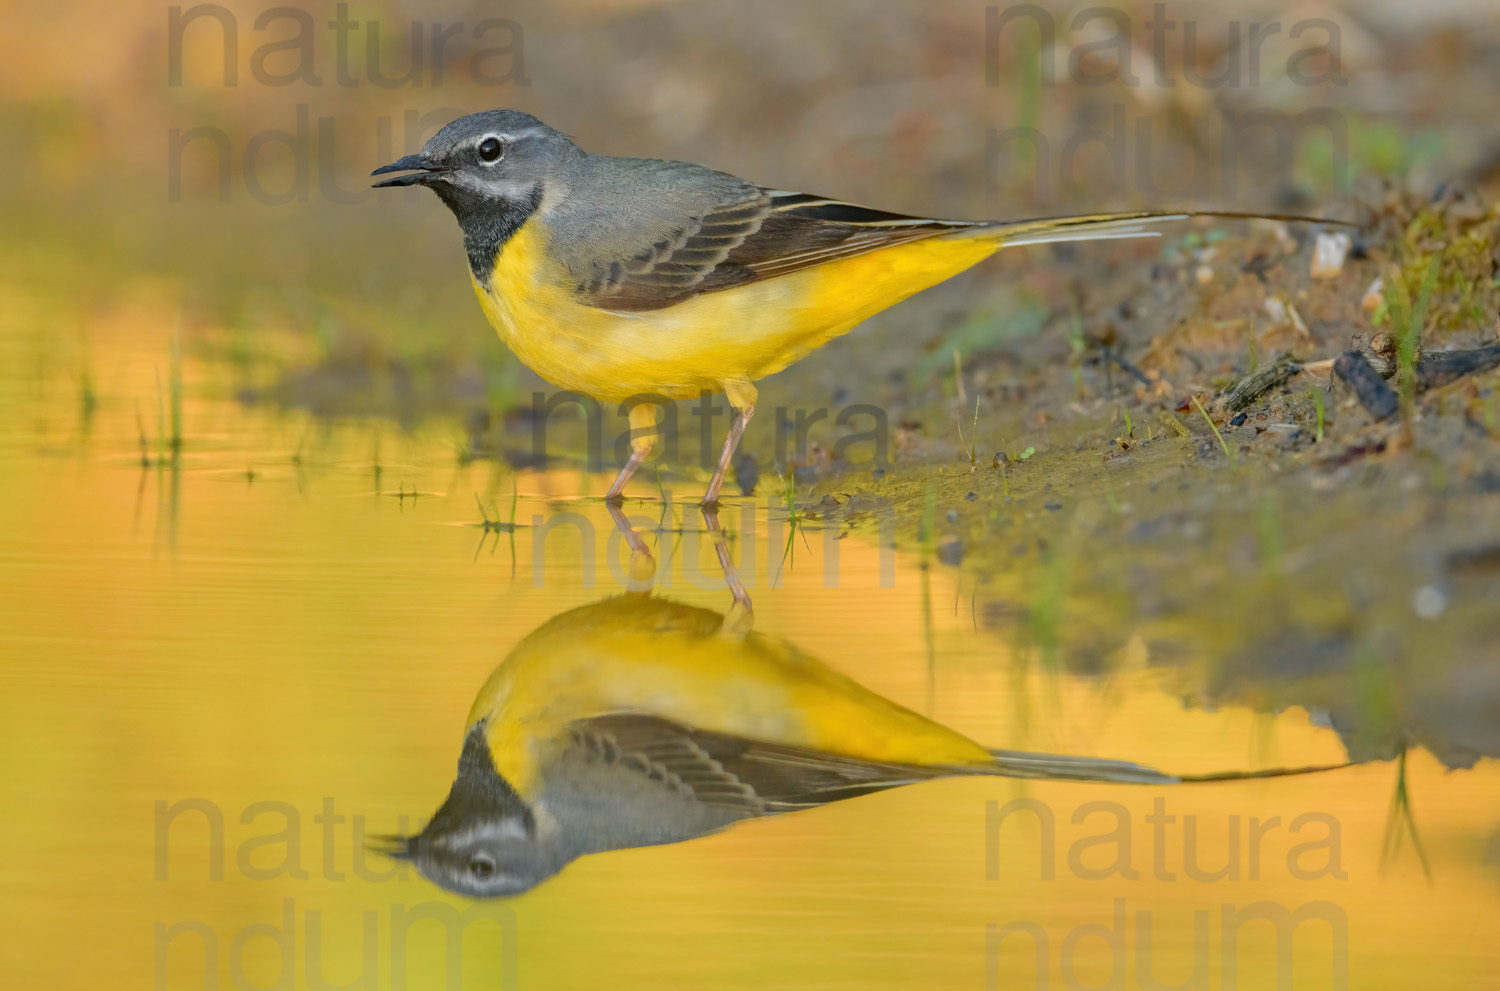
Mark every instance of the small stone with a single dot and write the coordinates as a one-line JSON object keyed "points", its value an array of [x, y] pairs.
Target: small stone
{"points": [[1329, 252], [747, 474], [950, 551], [952, 516], [972, 496], [1429, 602]]}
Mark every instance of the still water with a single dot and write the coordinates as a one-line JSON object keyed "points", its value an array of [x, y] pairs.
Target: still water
{"points": [[228, 672]]}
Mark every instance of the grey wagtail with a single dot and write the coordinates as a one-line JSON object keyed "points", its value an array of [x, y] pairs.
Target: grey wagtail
{"points": [[629, 277], [637, 721]]}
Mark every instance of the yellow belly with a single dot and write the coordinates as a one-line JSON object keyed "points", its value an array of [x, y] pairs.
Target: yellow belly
{"points": [[709, 342]]}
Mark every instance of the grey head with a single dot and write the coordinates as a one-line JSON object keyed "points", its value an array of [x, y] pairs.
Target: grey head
{"points": [[493, 170], [483, 841]]}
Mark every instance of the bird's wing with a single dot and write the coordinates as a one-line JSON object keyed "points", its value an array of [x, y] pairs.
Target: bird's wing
{"points": [[630, 779], [667, 232], [653, 265], [657, 233], [654, 756]]}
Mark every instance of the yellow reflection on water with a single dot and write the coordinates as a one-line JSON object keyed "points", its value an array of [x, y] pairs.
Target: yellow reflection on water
{"points": [[288, 641]]}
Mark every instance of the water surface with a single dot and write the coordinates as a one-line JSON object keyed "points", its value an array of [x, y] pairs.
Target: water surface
{"points": [[285, 623]]}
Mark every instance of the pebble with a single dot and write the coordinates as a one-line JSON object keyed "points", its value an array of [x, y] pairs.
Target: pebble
{"points": [[1329, 252], [1429, 602], [747, 474]]}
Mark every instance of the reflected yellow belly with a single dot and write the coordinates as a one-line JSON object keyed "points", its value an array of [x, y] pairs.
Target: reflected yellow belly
{"points": [[736, 335], [653, 656]]}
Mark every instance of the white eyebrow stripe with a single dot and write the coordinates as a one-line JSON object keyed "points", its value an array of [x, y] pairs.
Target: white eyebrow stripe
{"points": [[489, 829]]}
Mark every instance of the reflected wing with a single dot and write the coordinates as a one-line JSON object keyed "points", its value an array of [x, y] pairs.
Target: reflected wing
{"points": [[647, 755], [627, 779], [1062, 767]]}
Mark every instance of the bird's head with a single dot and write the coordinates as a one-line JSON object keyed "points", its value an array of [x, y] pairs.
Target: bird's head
{"points": [[486, 161], [483, 841]]}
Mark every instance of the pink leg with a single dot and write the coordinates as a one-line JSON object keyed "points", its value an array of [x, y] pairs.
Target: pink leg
{"points": [[617, 490], [742, 616], [643, 434], [742, 415], [642, 564]]}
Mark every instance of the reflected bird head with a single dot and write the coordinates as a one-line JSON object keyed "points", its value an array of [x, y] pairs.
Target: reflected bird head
{"points": [[482, 842]]}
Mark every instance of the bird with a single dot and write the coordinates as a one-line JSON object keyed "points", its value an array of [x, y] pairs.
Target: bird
{"points": [[643, 281], [638, 720]]}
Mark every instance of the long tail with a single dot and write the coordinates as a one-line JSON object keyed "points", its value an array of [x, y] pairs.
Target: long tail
{"points": [[1106, 226], [1018, 764], [1270, 772]]}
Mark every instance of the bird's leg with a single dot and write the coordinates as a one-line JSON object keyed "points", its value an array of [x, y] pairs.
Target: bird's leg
{"points": [[616, 492], [742, 615], [643, 434], [741, 396], [642, 565]]}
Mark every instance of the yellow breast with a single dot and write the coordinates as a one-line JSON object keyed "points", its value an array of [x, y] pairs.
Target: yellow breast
{"points": [[734, 335]]}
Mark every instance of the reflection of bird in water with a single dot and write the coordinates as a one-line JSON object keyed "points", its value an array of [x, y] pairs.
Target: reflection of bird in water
{"points": [[638, 720]]}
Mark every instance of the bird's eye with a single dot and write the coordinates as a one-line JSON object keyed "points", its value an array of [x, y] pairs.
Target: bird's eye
{"points": [[481, 867], [490, 150]]}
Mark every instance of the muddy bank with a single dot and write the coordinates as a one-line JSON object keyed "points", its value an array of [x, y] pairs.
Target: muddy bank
{"points": [[1269, 546]]}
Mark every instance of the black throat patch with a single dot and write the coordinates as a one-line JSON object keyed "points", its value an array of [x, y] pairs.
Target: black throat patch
{"points": [[487, 224], [479, 789]]}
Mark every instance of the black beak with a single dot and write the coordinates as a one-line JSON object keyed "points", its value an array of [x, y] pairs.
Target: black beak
{"points": [[429, 171], [395, 847]]}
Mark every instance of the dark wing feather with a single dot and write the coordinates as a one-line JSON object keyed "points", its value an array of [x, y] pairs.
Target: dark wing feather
{"points": [[675, 267], [747, 777], [706, 231], [747, 239]]}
